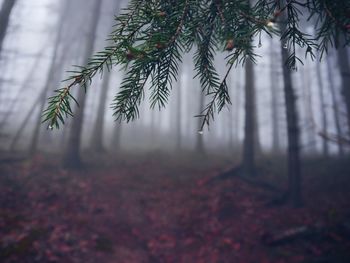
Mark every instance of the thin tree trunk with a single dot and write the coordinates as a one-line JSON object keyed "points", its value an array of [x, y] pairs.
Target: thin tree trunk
{"points": [[293, 193], [248, 163], [230, 115], [71, 157], [97, 134], [257, 145], [294, 165], [116, 137], [335, 105], [199, 141], [237, 113], [274, 104], [153, 127], [344, 67], [178, 111], [5, 13], [323, 112]]}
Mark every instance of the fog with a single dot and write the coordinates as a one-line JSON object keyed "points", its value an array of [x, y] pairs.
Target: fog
{"points": [[27, 56], [44, 40]]}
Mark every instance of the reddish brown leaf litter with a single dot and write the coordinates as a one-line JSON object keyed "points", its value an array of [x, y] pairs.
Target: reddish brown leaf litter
{"points": [[140, 211]]}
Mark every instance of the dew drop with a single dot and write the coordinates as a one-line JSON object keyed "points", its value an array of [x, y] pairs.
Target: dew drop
{"points": [[270, 24], [50, 127], [259, 45], [285, 46], [200, 132]]}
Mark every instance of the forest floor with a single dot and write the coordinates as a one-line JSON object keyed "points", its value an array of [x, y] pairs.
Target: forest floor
{"points": [[158, 209]]}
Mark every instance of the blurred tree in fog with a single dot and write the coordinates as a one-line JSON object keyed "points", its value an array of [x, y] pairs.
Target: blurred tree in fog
{"points": [[334, 105], [249, 143], [344, 66], [5, 13]]}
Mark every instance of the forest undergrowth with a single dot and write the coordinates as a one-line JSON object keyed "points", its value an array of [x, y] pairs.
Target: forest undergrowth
{"points": [[161, 209]]}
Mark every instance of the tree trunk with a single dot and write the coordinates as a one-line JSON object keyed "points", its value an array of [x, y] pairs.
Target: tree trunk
{"points": [[178, 110], [116, 137], [5, 13], [335, 105], [294, 166], [344, 67], [248, 163], [293, 193], [323, 112], [97, 134], [199, 141], [274, 104], [71, 157], [230, 115], [237, 113]]}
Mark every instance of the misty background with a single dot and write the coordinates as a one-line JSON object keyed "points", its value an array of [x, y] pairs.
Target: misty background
{"points": [[46, 37]]}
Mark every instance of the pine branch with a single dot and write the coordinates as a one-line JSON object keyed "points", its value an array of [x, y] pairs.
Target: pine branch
{"points": [[151, 36]]}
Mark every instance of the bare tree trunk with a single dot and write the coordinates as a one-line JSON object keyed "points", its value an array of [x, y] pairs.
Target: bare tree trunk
{"points": [[153, 127], [248, 163], [293, 193], [71, 157], [116, 137], [178, 111], [335, 105], [237, 113], [323, 112], [230, 115], [274, 105], [5, 13], [257, 145], [199, 141], [97, 134], [294, 166], [344, 67]]}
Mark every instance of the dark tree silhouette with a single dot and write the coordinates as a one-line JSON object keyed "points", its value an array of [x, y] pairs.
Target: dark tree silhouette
{"points": [[344, 66], [249, 144], [293, 135], [334, 105], [5, 13]]}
